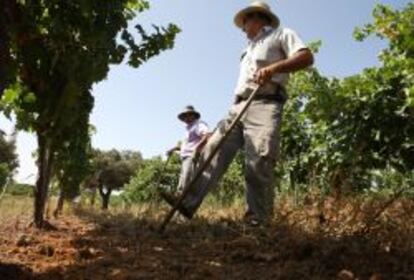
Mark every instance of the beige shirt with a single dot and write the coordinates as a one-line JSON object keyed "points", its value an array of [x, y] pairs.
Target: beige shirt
{"points": [[269, 46]]}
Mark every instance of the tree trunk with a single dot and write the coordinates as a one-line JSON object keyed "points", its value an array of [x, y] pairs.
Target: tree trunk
{"points": [[93, 196], [105, 201], [293, 187], [105, 197], [59, 206], [42, 183], [337, 182]]}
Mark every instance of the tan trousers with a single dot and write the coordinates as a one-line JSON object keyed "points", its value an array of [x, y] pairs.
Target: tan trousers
{"points": [[258, 133]]}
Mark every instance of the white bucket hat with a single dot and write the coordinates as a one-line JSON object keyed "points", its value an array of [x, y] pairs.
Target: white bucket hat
{"points": [[256, 7]]}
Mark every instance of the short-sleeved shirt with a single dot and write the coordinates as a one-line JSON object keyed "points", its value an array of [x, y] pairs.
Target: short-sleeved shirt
{"points": [[195, 132], [269, 46]]}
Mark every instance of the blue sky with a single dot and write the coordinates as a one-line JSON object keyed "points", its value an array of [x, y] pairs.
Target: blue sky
{"points": [[136, 108]]}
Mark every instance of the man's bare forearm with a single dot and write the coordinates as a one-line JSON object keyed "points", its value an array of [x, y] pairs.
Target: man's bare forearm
{"points": [[302, 59]]}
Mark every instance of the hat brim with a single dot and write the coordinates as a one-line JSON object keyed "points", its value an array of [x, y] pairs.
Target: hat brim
{"points": [[239, 18], [182, 115]]}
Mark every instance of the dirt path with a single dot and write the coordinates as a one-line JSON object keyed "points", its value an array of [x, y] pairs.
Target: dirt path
{"points": [[99, 246]]}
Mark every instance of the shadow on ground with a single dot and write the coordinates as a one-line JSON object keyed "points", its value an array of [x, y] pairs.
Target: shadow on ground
{"points": [[124, 247], [14, 271]]}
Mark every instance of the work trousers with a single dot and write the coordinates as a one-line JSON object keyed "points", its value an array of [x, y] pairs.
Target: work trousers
{"points": [[258, 134]]}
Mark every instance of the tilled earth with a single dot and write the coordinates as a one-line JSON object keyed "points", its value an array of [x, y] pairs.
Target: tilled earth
{"points": [[318, 241]]}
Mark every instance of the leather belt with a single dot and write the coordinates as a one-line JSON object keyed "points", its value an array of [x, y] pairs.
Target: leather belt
{"points": [[277, 96]]}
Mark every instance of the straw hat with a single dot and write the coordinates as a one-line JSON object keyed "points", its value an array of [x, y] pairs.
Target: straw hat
{"points": [[256, 7], [189, 110]]}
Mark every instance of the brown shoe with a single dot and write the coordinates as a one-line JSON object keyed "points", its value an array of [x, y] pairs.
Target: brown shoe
{"points": [[173, 200]]}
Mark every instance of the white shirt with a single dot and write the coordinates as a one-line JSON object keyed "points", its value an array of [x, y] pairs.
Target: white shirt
{"points": [[269, 46], [195, 131]]}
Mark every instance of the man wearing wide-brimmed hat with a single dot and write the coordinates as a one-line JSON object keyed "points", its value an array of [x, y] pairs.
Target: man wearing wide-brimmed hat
{"points": [[190, 147], [271, 54]]}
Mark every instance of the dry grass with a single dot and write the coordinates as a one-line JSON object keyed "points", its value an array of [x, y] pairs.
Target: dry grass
{"points": [[322, 239], [15, 210]]}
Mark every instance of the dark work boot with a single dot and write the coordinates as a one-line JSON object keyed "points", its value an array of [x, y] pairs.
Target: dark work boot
{"points": [[172, 200]]}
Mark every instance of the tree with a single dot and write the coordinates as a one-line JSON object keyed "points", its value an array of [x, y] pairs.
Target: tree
{"points": [[113, 170], [388, 91], [153, 174], [72, 163], [114, 177], [340, 130], [59, 50]]}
